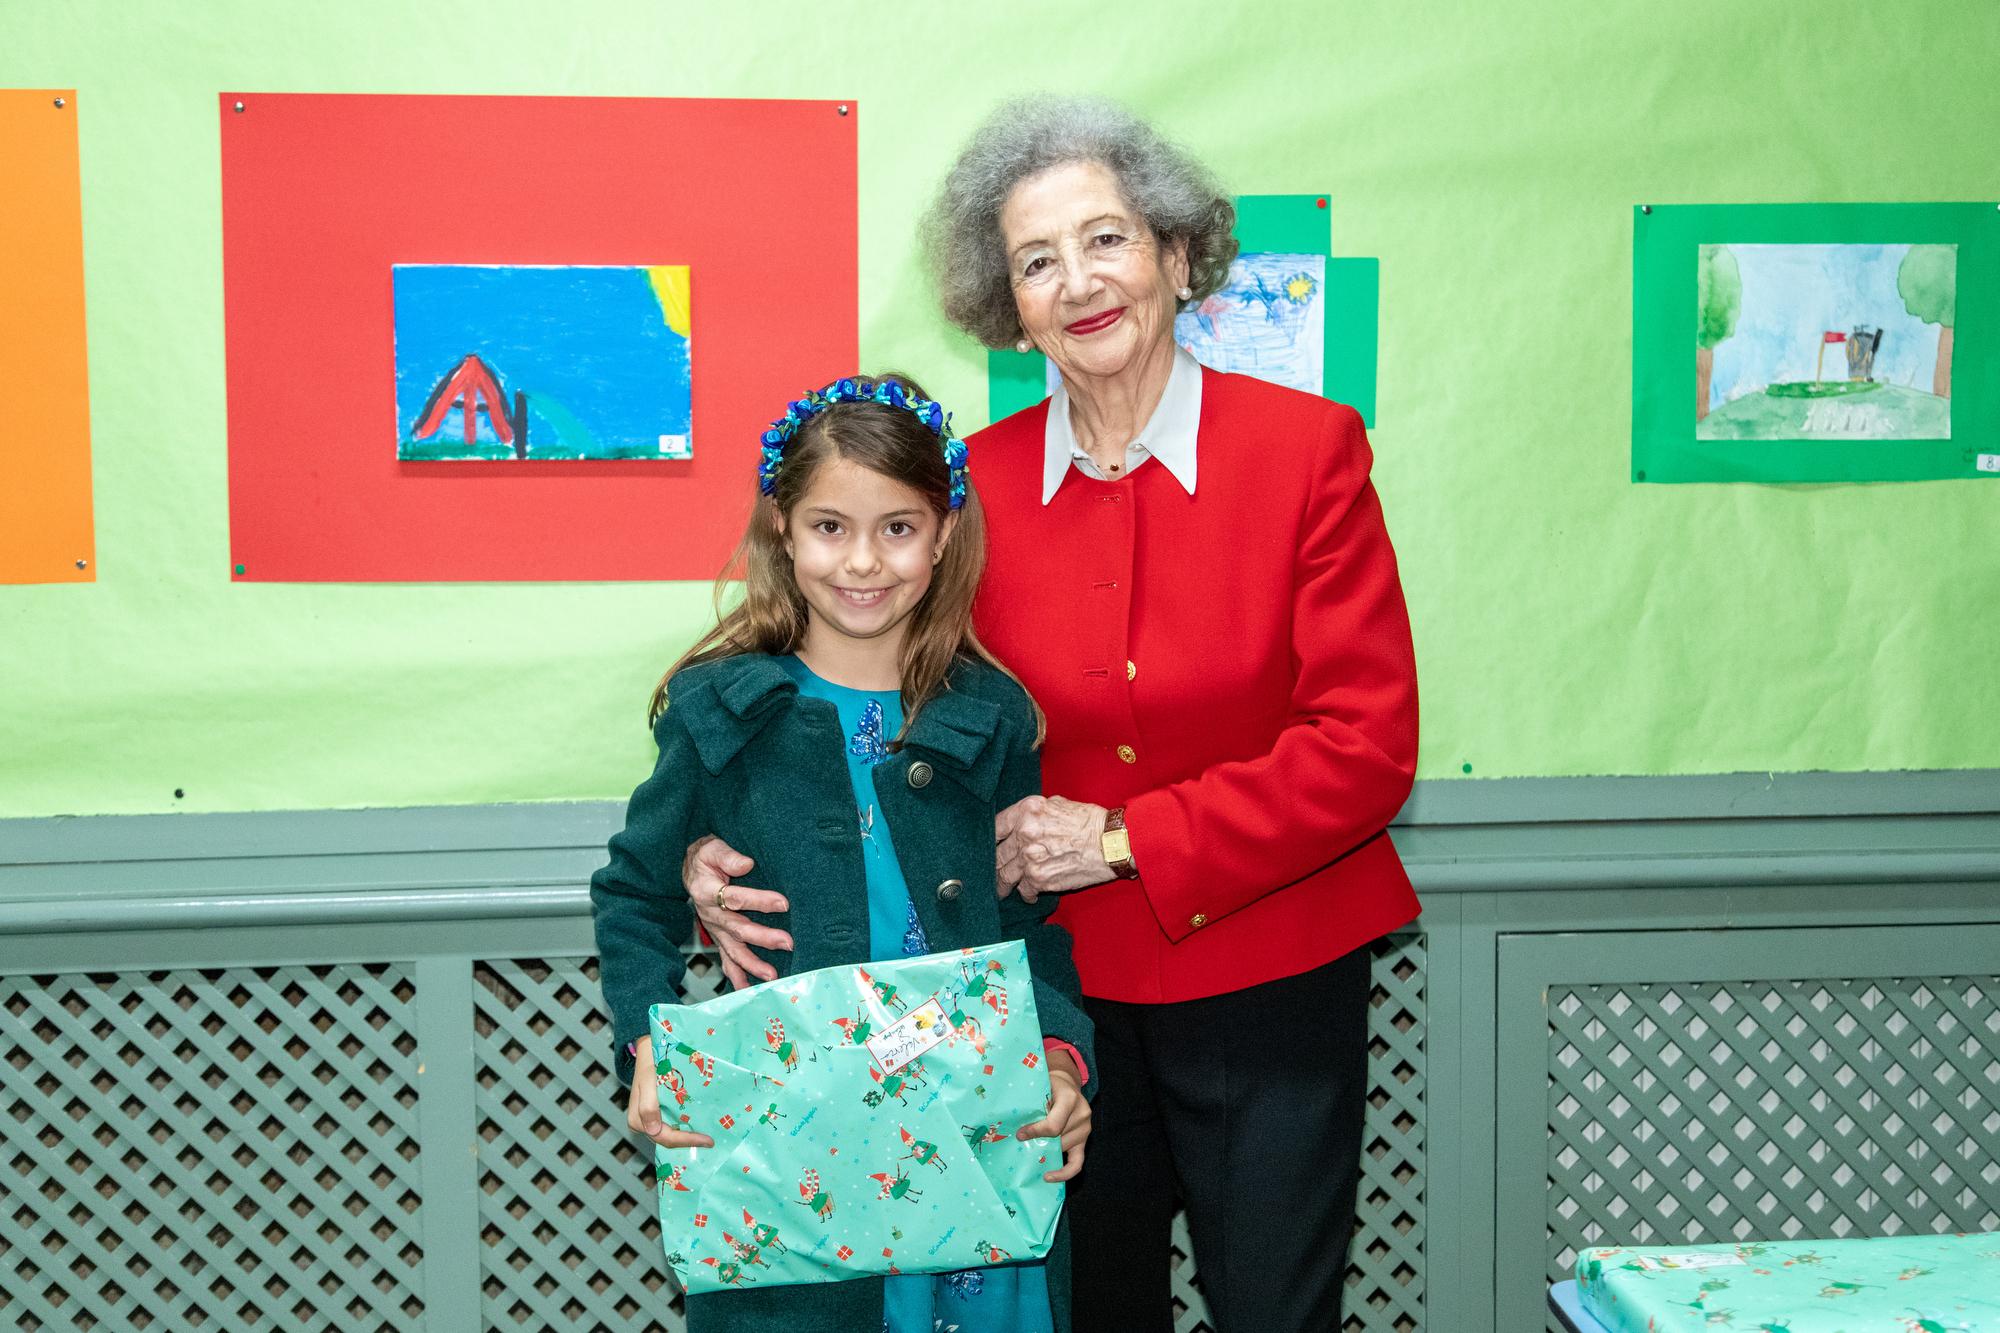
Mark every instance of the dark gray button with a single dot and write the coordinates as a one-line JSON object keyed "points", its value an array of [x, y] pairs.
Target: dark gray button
{"points": [[949, 890], [920, 774]]}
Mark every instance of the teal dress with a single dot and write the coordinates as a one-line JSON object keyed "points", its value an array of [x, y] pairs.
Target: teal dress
{"points": [[1014, 1299]]}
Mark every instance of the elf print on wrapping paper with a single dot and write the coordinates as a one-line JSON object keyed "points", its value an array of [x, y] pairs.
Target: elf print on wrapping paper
{"points": [[729, 1273], [770, 1116], [883, 991], [911, 1075], [670, 1079], [815, 1198], [854, 1031], [703, 1064], [766, 1236], [984, 985], [991, 1254], [1921, 1324], [1707, 1289], [746, 1252], [786, 1051], [925, 1154], [978, 1136], [963, 1024], [670, 1180], [895, 1185]]}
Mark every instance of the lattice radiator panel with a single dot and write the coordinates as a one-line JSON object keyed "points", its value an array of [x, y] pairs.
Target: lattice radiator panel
{"points": [[211, 1149], [1756, 1110], [565, 1206]]}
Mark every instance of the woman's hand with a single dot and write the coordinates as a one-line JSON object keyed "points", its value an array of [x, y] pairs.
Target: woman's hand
{"points": [[706, 872], [1068, 1118], [1048, 844], [642, 1109]]}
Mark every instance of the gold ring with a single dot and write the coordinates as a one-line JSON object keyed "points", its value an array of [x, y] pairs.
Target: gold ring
{"points": [[719, 891]]}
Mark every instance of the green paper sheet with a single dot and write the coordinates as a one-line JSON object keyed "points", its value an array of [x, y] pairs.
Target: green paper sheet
{"points": [[1800, 297]]}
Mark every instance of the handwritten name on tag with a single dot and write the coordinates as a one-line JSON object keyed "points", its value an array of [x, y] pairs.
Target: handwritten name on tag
{"points": [[910, 1036]]}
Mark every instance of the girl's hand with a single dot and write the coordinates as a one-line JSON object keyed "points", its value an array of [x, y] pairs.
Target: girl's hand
{"points": [[1068, 1117], [706, 872], [642, 1110], [1048, 844]]}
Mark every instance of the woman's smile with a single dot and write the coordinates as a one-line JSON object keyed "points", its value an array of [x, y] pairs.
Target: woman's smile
{"points": [[1104, 319]]}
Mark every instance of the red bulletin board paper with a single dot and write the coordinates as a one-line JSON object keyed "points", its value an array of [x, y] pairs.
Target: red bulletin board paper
{"points": [[322, 195]]}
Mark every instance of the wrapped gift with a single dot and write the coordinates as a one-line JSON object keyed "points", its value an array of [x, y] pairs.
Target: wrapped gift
{"points": [[863, 1120], [1898, 1284]]}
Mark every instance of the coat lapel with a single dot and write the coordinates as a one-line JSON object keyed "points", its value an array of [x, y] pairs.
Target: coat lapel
{"points": [[740, 699], [955, 732], [724, 708]]}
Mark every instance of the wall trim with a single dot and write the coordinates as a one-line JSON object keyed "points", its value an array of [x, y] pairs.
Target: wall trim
{"points": [[328, 867]]}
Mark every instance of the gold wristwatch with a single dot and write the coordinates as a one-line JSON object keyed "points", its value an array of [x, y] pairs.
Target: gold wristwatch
{"points": [[1118, 845]]}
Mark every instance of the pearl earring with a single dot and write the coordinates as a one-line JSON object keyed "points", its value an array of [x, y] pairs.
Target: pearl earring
{"points": [[1023, 346], [1185, 292]]}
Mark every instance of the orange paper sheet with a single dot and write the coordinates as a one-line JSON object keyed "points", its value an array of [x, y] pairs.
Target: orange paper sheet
{"points": [[45, 522]]}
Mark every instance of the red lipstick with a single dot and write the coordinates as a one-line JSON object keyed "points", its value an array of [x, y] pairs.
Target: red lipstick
{"points": [[1094, 323]]}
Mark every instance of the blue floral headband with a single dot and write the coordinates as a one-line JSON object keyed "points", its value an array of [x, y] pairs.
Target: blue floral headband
{"points": [[886, 392]]}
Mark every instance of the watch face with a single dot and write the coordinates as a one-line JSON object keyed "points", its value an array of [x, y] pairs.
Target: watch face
{"points": [[1117, 847]]}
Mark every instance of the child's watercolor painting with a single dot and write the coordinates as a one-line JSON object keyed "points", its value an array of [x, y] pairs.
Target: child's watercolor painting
{"points": [[1269, 320], [532, 362], [1822, 342]]}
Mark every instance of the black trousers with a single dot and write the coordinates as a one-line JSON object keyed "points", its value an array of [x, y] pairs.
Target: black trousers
{"points": [[1248, 1108]]}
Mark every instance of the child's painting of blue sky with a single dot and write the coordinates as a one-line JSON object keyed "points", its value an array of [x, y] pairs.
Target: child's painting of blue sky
{"points": [[530, 362], [1269, 320], [1826, 345]]}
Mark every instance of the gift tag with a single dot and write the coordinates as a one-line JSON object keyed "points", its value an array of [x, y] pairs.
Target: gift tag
{"points": [[1667, 1263], [923, 1028]]}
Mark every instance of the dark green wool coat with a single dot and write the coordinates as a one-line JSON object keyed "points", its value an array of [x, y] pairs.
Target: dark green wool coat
{"points": [[744, 756]]}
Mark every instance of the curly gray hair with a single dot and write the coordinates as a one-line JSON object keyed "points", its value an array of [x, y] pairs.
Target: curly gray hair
{"points": [[1175, 195]]}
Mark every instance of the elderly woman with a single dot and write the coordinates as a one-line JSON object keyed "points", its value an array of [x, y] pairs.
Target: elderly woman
{"points": [[1190, 572]]}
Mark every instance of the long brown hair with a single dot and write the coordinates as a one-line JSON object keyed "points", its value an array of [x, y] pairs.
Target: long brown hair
{"points": [[772, 616]]}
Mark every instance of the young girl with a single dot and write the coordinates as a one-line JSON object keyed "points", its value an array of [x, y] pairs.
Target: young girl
{"points": [[845, 729]]}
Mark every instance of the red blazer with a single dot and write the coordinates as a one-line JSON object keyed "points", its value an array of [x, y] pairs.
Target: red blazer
{"points": [[1233, 667]]}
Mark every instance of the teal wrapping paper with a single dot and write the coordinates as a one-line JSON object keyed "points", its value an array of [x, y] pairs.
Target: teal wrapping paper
{"points": [[863, 1120], [1896, 1284]]}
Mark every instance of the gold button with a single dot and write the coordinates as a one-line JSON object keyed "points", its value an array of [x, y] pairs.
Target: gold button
{"points": [[1131, 671], [1128, 754], [1198, 920]]}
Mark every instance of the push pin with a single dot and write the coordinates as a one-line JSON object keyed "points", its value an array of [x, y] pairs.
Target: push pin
{"points": [[239, 106], [60, 104], [83, 564], [1645, 208], [842, 108]]}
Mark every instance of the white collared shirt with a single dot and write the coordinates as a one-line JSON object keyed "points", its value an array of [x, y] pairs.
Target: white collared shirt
{"points": [[1168, 435]]}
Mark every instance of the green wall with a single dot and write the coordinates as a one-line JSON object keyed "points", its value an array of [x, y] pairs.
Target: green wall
{"points": [[1567, 621]]}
